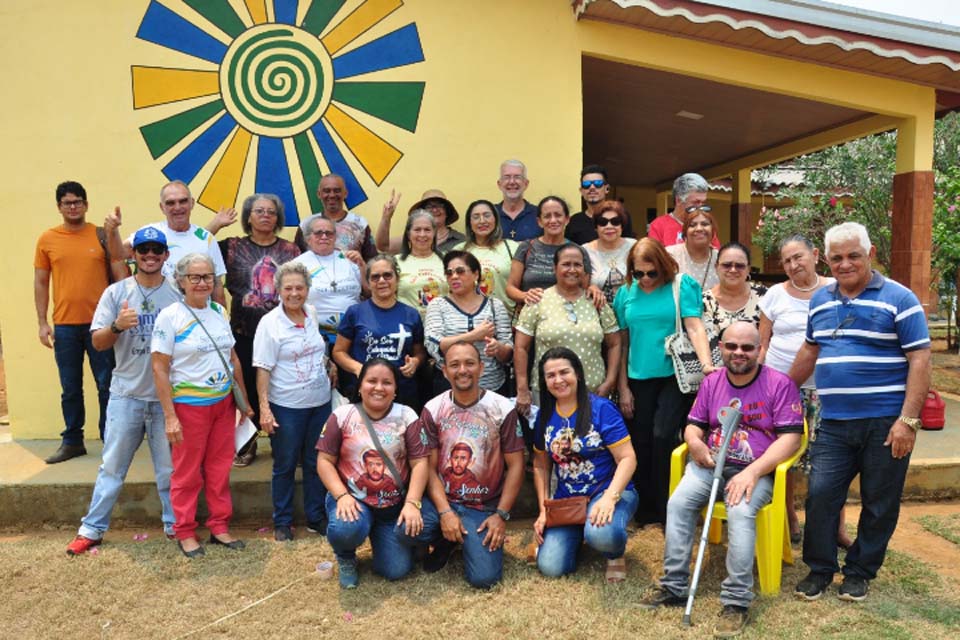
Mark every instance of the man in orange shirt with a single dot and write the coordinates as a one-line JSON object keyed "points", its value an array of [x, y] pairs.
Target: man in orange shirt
{"points": [[74, 254]]}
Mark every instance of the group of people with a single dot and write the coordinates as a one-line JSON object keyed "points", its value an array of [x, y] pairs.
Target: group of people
{"points": [[535, 330]]}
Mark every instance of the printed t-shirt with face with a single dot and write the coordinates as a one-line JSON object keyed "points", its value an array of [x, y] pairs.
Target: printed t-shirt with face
{"points": [[382, 333], [180, 243], [250, 279], [133, 375], [609, 267], [650, 318], [471, 442], [494, 269], [421, 280], [583, 466], [334, 286], [359, 464], [295, 356], [551, 324], [537, 260], [770, 405], [77, 266], [196, 371], [353, 234]]}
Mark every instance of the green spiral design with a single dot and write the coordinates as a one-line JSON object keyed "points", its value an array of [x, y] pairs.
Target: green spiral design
{"points": [[276, 81]]}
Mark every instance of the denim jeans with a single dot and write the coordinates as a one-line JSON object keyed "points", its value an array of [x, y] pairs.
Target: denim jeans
{"points": [[843, 449], [558, 553], [294, 444], [127, 421], [392, 549], [482, 568], [683, 511], [70, 342]]}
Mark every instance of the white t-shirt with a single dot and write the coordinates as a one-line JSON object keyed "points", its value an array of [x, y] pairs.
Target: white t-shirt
{"points": [[705, 273], [133, 375], [789, 318], [295, 356], [180, 243], [335, 285], [196, 371]]}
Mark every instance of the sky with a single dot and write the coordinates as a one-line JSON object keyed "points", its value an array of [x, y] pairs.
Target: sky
{"points": [[946, 11]]}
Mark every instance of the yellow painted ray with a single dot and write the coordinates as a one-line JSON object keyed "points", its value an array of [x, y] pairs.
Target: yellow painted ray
{"points": [[224, 184], [376, 155], [363, 17], [258, 10], [159, 85]]}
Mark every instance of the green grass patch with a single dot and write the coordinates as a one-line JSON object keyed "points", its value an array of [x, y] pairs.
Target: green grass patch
{"points": [[946, 526]]}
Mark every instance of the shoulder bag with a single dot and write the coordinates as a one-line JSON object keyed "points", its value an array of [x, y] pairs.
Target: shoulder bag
{"points": [[238, 396], [686, 364]]}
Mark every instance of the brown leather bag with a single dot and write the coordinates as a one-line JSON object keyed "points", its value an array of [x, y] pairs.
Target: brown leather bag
{"points": [[566, 511]]}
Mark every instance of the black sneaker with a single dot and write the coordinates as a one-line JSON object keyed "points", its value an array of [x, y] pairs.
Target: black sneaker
{"points": [[282, 534], [661, 597], [813, 586], [853, 589], [438, 558], [319, 527], [732, 621]]}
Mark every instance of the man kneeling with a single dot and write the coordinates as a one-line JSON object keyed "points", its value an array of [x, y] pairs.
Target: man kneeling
{"points": [[769, 433]]}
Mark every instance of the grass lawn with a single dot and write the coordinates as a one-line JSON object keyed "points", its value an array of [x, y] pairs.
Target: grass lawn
{"points": [[146, 589], [947, 527]]}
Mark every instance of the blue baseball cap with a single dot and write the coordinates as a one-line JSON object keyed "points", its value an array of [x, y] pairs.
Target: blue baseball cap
{"points": [[149, 234]]}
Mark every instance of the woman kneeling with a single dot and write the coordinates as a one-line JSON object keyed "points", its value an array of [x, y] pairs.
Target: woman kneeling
{"points": [[592, 457]]}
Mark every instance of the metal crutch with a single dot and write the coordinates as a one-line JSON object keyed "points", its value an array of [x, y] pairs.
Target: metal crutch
{"points": [[729, 421]]}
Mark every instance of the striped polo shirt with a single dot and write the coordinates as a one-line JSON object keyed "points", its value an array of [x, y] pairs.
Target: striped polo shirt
{"points": [[862, 367]]}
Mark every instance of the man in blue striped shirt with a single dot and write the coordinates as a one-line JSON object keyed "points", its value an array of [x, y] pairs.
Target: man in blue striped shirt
{"points": [[868, 345]]}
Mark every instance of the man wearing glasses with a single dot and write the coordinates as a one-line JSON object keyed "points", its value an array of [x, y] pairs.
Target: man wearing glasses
{"points": [[689, 197], [123, 324], [594, 188], [75, 256], [769, 433], [184, 237], [868, 346], [518, 218]]}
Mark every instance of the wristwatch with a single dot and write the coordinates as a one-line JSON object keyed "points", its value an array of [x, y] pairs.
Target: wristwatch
{"points": [[913, 423], [416, 503], [503, 514], [115, 328]]}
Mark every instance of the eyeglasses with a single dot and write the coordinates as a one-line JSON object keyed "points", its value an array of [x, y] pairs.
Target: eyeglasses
{"points": [[386, 276], [72, 204], [733, 266], [434, 204], [149, 247], [265, 212], [196, 278], [586, 184], [849, 320], [639, 275], [459, 271], [745, 347], [485, 215], [325, 233], [571, 311], [699, 207], [512, 178], [602, 222]]}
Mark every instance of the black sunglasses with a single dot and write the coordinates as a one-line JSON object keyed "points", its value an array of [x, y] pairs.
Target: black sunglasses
{"points": [[149, 247], [600, 221], [745, 347], [650, 274]]}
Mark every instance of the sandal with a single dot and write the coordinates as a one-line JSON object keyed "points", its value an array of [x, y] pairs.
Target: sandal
{"points": [[616, 570]]}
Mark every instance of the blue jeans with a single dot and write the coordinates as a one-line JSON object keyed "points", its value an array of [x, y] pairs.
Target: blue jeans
{"points": [[482, 568], [843, 449], [392, 549], [558, 553], [127, 421], [294, 444], [683, 511], [70, 342]]}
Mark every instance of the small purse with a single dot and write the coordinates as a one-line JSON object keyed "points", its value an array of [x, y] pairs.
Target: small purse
{"points": [[562, 512], [686, 363]]}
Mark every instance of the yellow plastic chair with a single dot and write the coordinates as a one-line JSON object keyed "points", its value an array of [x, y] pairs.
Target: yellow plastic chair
{"points": [[773, 529]]}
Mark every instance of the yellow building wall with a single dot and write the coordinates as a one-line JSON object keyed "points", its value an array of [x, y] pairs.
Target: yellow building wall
{"points": [[502, 81]]}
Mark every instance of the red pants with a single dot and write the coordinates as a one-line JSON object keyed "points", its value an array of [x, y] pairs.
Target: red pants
{"points": [[204, 458]]}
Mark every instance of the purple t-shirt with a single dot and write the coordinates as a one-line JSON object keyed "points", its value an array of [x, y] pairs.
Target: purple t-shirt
{"points": [[770, 405]]}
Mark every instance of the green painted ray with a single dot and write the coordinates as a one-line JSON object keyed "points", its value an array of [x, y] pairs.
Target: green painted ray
{"points": [[220, 13], [309, 169], [160, 136], [320, 14], [395, 102]]}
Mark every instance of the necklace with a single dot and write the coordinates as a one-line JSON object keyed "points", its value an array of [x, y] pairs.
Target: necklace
{"points": [[816, 284], [332, 278], [146, 306]]}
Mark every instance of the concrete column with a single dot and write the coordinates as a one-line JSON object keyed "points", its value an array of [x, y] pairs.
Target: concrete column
{"points": [[741, 220], [664, 202], [911, 233]]}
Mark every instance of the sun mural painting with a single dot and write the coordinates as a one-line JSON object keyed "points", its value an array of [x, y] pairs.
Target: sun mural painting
{"points": [[282, 89]]}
